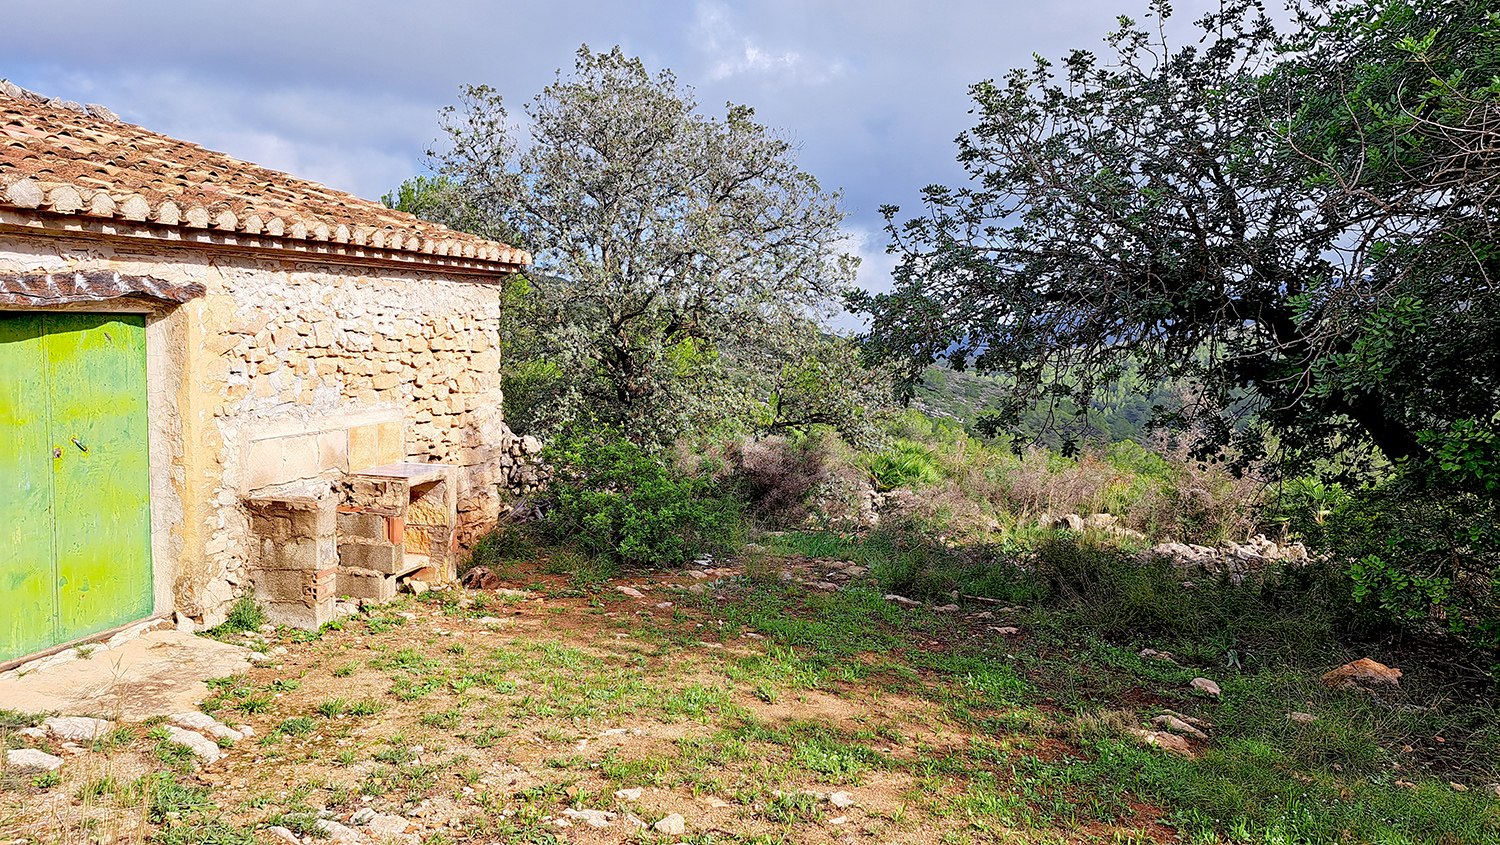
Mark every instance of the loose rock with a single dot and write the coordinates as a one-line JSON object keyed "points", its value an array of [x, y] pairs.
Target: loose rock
{"points": [[902, 600], [284, 835], [1177, 726], [193, 720], [77, 728], [1302, 718], [1167, 741], [339, 834], [206, 749], [633, 794], [1363, 672], [673, 825], [841, 799], [632, 592], [383, 825], [1206, 686], [592, 818], [481, 578], [30, 758]]}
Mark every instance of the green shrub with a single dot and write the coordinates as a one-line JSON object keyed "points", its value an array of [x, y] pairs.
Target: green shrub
{"points": [[1419, 554], [619, 503], [904, 462]]}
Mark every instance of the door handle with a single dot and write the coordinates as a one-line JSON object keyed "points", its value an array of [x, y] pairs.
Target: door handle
{"points": [[82, 448]]}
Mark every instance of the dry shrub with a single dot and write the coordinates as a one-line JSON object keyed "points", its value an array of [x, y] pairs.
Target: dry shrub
{"points": [[1199, 502], [777, 474], [961, 510], [1041, 482], [1099, 726]]}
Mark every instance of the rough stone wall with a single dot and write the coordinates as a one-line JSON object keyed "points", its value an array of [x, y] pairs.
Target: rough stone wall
{"points": [[290, 370]]}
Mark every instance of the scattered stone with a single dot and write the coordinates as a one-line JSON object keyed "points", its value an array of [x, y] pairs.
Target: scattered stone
{"points": [[1153, 654], [697, 589], [383, 825], [560, 822], [673, 825], [902, 600], [663, 605], [1458, 787], [206, 749], [487, 620], [1178, 726], [30, 758], [855, 571], [417, 588], [513, 594], [839, 820], [32, 733], [825, 586], [1363, 672], [193, 720], [632, 794], [183, 623], [1006, 631], [634, 821], [284, 835], [1166, 741], [592, 818], [339, 834], [481, 578], [1302, 718], [77, 728], [841, 799], [631, 591], [267, 628], [982, 615], [718, 803], [697, 574], [946, 608], [1206, 686], [257, 657], [362, 816]]}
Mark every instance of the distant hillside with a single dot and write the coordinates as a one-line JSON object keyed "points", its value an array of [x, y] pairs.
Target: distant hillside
{"points": [[1119, 413]]}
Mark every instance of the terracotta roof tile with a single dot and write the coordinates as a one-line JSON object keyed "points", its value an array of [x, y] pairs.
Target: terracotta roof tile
{"points": [[67, 161]]}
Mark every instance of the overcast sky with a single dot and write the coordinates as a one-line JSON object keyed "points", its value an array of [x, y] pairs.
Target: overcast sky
{"points": [[346, 92]]}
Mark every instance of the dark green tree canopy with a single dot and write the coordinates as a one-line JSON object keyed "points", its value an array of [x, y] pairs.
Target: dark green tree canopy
{"points": [[1297, 224]]}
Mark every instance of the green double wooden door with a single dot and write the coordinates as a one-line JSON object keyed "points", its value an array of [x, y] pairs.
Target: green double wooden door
{"points": [[75, 516]]}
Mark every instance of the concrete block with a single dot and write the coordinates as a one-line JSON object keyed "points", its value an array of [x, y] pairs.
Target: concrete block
{"points": [[366, 584], [299, 615], [362, 524], [287, 586], [380, 557]]}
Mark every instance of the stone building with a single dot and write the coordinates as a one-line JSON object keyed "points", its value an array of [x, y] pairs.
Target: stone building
{"points": [[216, 379]]}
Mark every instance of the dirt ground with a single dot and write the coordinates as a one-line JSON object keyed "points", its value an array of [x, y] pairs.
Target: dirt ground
{"points": [[502, 716]]}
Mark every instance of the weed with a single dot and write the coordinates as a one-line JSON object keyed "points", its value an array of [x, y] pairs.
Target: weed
{"points": [[244, 615]]}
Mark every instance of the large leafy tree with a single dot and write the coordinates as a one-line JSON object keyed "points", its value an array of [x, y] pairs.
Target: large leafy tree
{"points": [[1296, 224], [675, 252]]}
